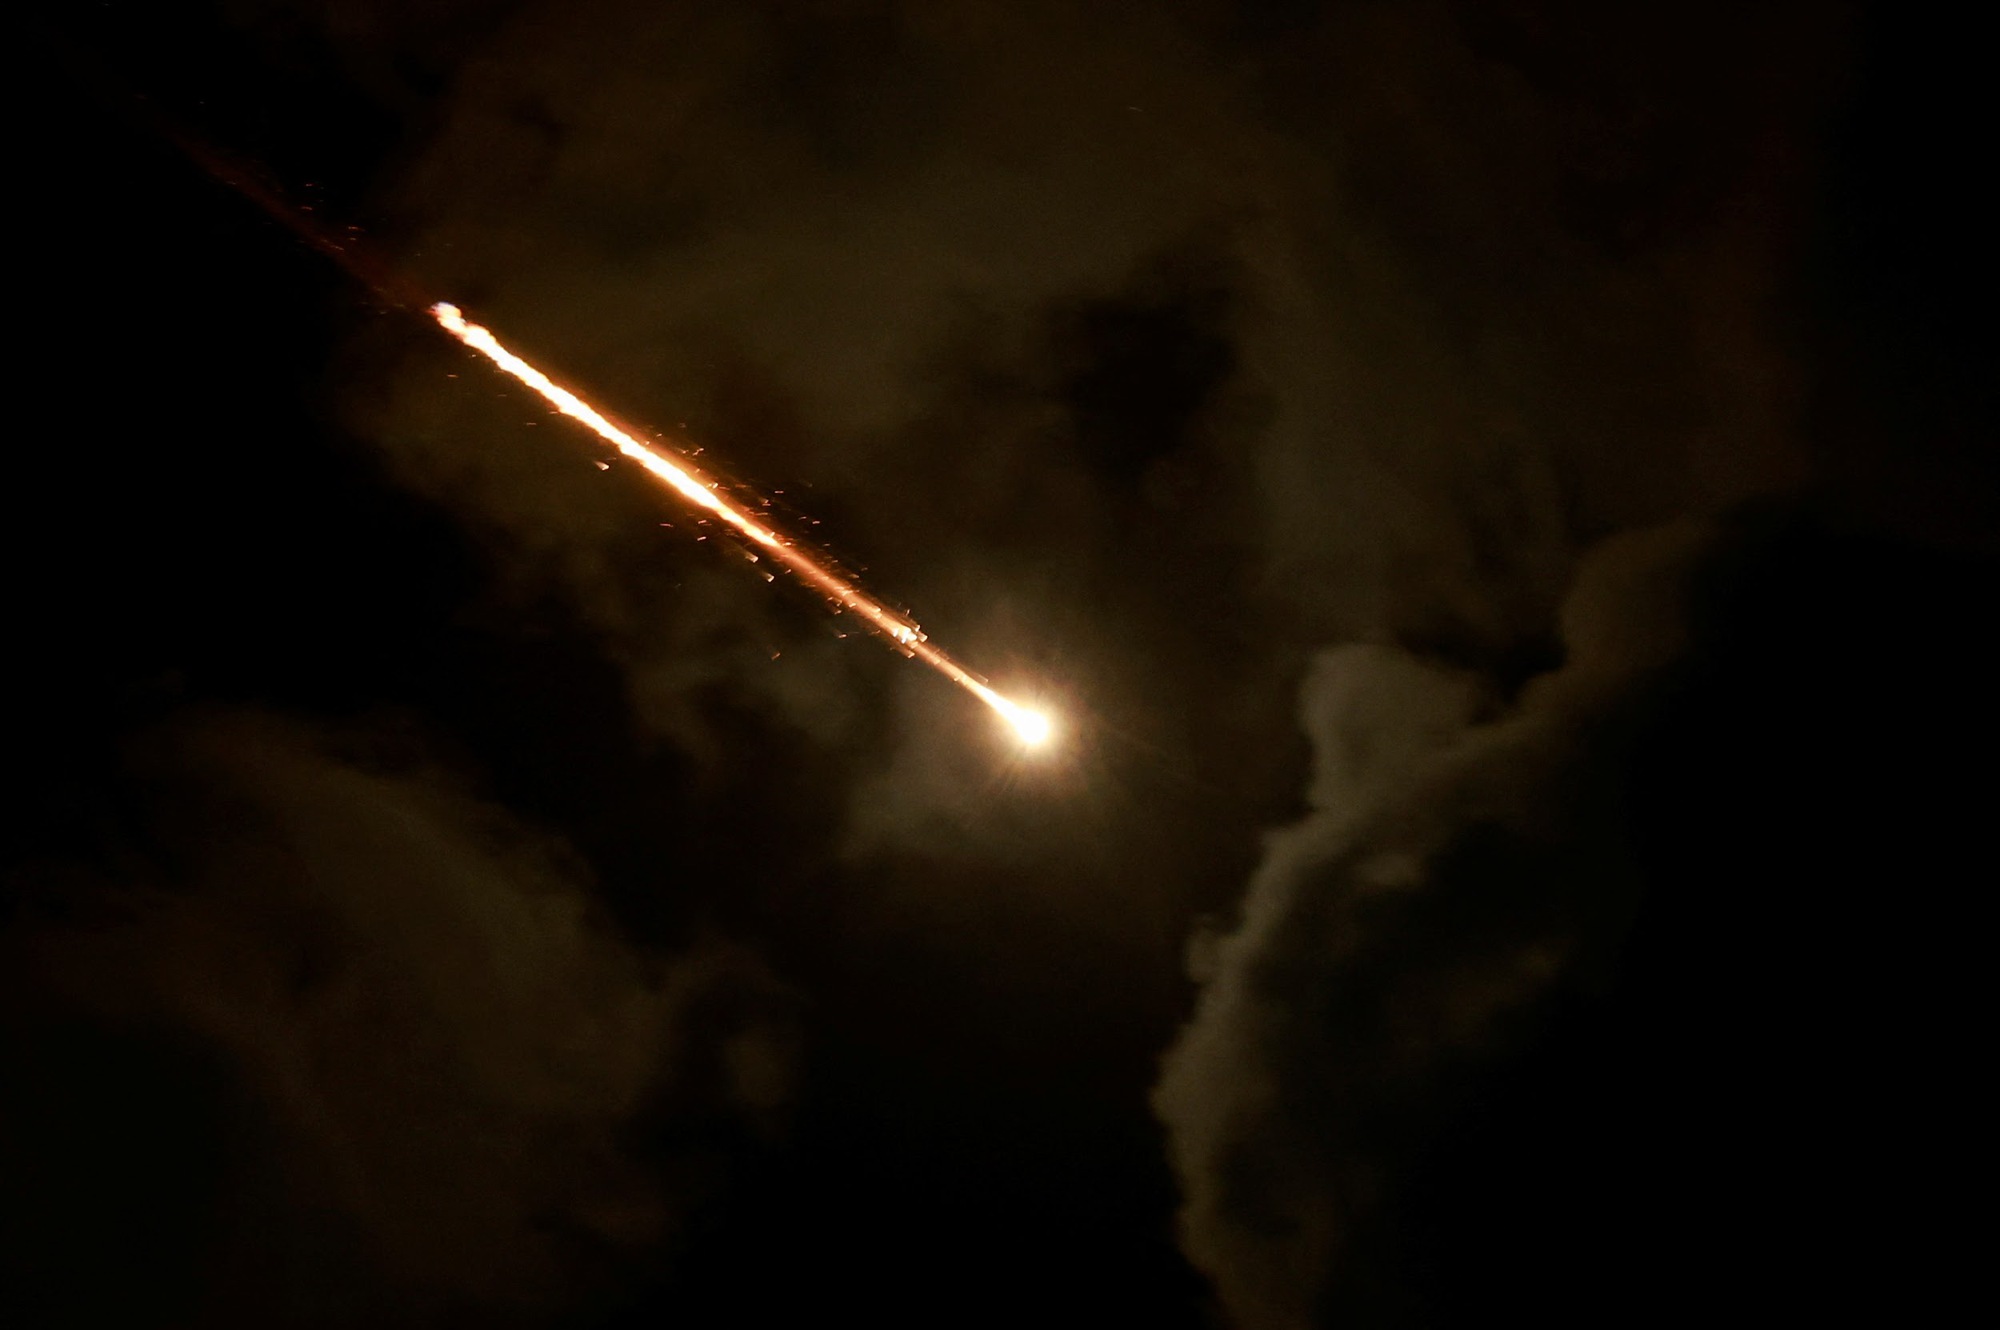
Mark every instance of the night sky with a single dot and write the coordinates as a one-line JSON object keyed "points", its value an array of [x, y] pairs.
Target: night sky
{"points": [[1502, 497]]}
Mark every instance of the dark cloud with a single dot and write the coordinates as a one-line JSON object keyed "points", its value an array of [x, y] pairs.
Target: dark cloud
{"points": [[1459, 856], [408, 1052], [1597, 996], [1374, 318]]}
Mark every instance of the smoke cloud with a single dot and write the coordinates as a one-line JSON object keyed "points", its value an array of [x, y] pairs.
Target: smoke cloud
{"points": [[413, 1047], [1461, 859], [1366, 321]]}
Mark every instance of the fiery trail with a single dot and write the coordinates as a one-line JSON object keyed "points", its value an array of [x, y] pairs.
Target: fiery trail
{"points": [[1033, 727]]}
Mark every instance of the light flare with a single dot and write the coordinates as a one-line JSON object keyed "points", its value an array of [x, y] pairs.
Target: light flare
{"points": [[1033, 728]]}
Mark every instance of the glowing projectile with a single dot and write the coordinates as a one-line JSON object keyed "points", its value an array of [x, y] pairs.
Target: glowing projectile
{"points": [[1033, 728]]}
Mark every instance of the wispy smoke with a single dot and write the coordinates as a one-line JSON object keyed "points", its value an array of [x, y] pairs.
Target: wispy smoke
{"points": [[1340, 323]]}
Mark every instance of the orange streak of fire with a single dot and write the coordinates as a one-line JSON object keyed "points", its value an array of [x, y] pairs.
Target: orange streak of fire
{"points": [[1032, 727]]}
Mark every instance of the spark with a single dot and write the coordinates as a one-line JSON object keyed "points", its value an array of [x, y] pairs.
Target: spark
{"points": [[1034, 729]]}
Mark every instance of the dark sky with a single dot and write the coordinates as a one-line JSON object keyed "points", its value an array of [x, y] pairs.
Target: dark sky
{"points": [[1502, 496]]}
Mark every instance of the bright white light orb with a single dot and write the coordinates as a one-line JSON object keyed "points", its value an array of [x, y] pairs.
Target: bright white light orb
{"points": [[1033, 728]]}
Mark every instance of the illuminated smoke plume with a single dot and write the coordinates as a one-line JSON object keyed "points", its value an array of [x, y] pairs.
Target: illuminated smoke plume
{"points": [[1033, 728]]}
